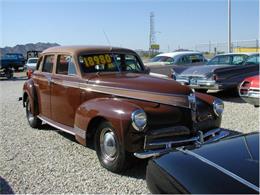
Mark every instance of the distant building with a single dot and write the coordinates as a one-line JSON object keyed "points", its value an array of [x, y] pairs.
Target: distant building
{"points": [[246, 49]]}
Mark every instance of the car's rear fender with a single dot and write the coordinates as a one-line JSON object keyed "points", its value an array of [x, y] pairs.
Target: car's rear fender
{"points": [[114, 110], [233, 75]]}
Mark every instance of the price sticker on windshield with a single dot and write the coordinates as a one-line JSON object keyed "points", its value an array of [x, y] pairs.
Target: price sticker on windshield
{"points": [[97, 60]]}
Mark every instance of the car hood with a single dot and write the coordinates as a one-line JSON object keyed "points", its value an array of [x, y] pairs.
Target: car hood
{"points": [[140, 86], [238, 156], [200, 71]]}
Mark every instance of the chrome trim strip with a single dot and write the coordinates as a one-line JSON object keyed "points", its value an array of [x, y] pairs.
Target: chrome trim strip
{"points": [[58, 127], [222, 169], [150, 153], [80, 132]]}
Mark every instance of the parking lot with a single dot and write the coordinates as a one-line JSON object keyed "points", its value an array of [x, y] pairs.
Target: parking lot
{"points": [[49, 161]]}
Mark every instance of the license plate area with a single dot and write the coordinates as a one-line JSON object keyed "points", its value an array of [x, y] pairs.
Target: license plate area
{"points": [[193, 81]]}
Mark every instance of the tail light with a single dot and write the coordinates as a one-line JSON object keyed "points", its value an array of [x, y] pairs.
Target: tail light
{"points": [[29, 73], [244, 87], [215, 77]]}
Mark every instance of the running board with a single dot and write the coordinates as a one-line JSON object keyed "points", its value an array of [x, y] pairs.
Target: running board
{"points": [[59, 126]]}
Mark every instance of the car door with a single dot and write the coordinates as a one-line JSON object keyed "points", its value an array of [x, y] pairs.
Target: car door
{"points": [[42, 80], [65, 91]]}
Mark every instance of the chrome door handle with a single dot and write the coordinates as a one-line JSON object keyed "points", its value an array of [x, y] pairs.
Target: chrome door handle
{"points": [[49, 81]]}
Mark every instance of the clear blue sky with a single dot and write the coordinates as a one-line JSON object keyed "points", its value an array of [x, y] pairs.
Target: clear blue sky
{"points": [[181, 23]]}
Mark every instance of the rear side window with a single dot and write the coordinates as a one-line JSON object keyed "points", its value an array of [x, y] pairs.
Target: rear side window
{"points": [[184, 60], [65, 65], [48, 63], [196, 58]]}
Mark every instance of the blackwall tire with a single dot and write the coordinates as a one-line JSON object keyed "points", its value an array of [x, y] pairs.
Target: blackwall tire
{"points": [[33, 121], [110, 152], [9, 74]]}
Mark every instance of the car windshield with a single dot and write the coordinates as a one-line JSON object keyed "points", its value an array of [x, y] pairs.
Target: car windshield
{"points": [[228, 60], [110, 62], [161, 59], [32, 61]]}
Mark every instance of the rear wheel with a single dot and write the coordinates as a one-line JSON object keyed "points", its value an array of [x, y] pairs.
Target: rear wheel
{"points": [[33, 121], [110, 152]]}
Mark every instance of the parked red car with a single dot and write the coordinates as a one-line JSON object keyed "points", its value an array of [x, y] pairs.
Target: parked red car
{"points": [[249, 90]]}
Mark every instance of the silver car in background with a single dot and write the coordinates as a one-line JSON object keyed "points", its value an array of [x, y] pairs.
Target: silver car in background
{"points": [[163, 63]]}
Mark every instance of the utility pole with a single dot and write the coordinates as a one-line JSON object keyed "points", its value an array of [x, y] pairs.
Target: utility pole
{"points": [[152, 33], [229, 27]]}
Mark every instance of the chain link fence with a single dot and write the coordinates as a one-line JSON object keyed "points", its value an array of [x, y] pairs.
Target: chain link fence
{"points": [[222, 47]]}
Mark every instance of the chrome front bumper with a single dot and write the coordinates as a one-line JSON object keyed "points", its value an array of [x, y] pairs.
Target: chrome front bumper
{"points": [[208, 137], [199, 83]]}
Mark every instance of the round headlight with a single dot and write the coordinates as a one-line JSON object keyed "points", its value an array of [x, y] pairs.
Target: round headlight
{"points": [[218, 107], [139, 120]]}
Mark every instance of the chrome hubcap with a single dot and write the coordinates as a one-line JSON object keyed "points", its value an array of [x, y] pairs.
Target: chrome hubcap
{"points": [[108, 144]]}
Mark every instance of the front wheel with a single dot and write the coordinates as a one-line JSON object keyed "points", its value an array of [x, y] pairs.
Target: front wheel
{"points": [[33, 121], [110, 152]]}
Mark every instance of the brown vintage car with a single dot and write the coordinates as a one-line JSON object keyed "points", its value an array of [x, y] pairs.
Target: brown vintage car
{"points": [[106, 94]]}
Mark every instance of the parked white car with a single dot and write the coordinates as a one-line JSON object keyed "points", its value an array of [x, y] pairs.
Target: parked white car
{"points": [[31, 63]]}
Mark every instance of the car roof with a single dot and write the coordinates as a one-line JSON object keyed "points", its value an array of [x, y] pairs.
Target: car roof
{"points": [[32, 58], [76, 49], [174, 54], [230, 54]]}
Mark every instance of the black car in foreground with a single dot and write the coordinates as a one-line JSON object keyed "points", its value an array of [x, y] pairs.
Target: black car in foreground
{"points": [[221, 73], [229, 166]]}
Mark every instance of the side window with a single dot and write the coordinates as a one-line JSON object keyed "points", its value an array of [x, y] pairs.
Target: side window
{"points": [[224, 60], [214, 60], [39, 63], [72, 69], [184, 60], [169, 60], [238, 60], [131, 63], [65, 65], [253, 60], [48, 63]]}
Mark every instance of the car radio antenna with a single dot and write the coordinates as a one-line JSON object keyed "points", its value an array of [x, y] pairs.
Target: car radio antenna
{"points": [[108, 41]]}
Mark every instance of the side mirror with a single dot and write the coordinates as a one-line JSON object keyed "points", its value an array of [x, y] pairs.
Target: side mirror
{"points": [[147, 70]]}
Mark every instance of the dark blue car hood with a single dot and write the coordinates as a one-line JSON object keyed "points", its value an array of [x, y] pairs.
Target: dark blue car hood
{"points": [[238, 156]]}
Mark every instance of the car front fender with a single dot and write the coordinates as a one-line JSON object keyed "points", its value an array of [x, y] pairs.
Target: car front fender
{"points": [[29, 91], [114, 110]]}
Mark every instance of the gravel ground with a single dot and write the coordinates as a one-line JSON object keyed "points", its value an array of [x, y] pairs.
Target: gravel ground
{"points": [[48, 161]]}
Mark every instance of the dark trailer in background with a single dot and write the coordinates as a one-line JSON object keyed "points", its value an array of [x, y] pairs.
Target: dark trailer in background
{"points": [[33, 54]]}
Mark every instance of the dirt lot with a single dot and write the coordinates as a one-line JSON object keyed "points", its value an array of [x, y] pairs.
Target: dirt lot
{"points": [[49, 161]]}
